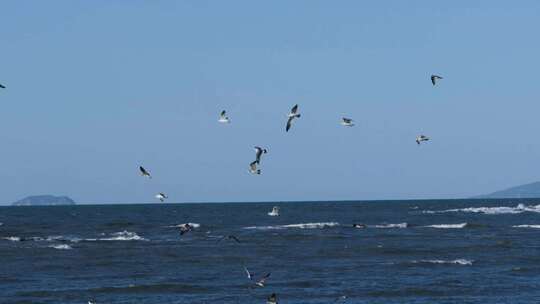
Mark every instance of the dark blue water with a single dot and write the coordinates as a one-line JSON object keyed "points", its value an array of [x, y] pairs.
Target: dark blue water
{"points": [[476, 253]]}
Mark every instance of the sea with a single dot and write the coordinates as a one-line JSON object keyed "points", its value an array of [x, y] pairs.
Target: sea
{"points": [[431, 251]]}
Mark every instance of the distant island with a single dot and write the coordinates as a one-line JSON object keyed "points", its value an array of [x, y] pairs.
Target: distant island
{"points": [[44, 200], [531, 190]]}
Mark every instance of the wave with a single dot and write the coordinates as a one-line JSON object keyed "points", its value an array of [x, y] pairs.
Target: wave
{"points": [[491, 210], [448, 226], [527, 226], [61, 247], [120, 236], [298, 226], [456, 262], [194, 225], [386, 226], [12, 238]]}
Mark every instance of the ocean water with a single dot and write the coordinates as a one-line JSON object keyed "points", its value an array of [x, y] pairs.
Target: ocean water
{"points": [[458, 251]]}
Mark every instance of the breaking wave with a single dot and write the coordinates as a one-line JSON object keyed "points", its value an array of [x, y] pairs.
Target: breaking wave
{"points": [[448, 226], [527, 226], [491, 210], [386, 226], [456, 262], [120, 236], [298, 226], [61, 247]]}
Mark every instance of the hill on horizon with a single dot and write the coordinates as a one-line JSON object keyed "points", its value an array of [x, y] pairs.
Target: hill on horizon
{"points": [[531, 190]]}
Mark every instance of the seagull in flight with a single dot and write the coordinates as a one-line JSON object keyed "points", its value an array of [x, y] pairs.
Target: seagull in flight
{"points": [[161, 196], [292, 115], [434, 79], [347, 122], [223, 117], [249, 275], [253, 168], [258, 152], [230, 237], [185, 228], [144, 172], [421, 138], [261, 281], [272, 299]]}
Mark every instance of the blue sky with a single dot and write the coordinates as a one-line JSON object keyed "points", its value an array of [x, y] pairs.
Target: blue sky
{"points": [[96, 88]]}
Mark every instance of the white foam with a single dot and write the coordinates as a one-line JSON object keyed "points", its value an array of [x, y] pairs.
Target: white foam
{"points": [[492, 210], [298, 226], [61, 247], [448, 226], [527, 226], [194, 225], [457, 262], [122, 236], [12, 238], [386, 226]]}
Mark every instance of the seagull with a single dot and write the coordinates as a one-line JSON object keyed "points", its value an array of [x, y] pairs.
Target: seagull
{"points": [[144, 172], [261, 281], [249, 275], [91, 302], [272, 299], [421, 138], [253, 168], [258, 152], [229, 237], [185, 228], [294, 114], [2, 87], [347, 122], [223, 117], [161, 196], [434, 78]]}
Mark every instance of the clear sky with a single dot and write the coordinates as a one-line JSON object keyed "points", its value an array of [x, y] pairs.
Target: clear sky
{"points": [[97, 88]]}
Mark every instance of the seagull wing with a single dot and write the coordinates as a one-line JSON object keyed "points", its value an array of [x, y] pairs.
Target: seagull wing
{"points": [[223, 113], [253, 165], [433, 79], [347, 120], [294, 109], [143, 171], [258, 152], [1, 86], [234, 238], [248, 273], [289, 123], [263, 279]]}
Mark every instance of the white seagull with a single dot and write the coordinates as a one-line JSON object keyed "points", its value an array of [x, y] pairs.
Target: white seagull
{"points": [[144, 172], [292, 115], [223, 117], [347, 122], [258, 152], [421, 138], [161, 196], [272, 299], [261, 281], [434, 79], [253, 168]]}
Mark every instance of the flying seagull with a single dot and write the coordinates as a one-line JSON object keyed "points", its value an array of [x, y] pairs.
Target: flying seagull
{"points": [[185, 228], [434, 79], [421, 138], [2, 87], [258, 152], [161, 196], [223, 117], [253, 168], [272, 299], [347, 122], [249, 275], [144, 172], [292, 115], [261, 281], [229, 237]]}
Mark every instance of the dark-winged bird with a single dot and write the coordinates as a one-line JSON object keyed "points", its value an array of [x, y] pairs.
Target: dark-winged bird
{"points": [[253, 168], [292, 115], [258, 152], [434, 79], [144, 172], [223, 117]]}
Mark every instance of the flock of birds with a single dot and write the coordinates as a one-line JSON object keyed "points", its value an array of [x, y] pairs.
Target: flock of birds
{"points": [[293, 114], [254, 169]]}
